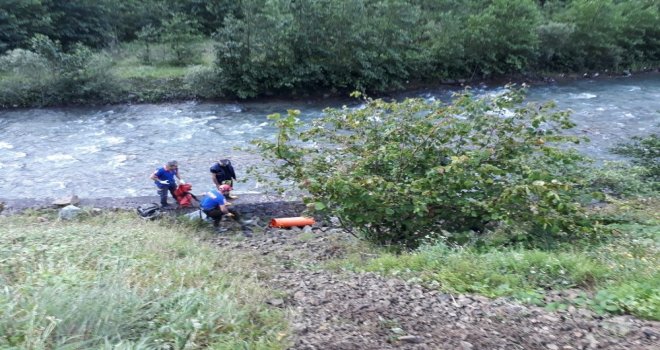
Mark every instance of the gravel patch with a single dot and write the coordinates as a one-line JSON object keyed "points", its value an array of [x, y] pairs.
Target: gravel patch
{"points": [[343, 310]]}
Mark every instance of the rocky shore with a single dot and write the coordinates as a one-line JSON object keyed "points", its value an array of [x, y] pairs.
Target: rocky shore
{"points": [[337, 309], [260, 205], [351, 311]]}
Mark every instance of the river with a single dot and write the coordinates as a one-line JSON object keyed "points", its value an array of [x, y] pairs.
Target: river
{"points": [[110, 151]]}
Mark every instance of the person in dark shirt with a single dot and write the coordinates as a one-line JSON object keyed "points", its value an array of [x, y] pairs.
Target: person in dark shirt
{"points": [[222, 173]]}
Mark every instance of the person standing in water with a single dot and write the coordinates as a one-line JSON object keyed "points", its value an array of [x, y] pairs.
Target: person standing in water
{"points": [[222, 173]]}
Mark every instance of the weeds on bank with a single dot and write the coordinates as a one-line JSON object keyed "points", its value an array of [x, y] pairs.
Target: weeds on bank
{"points": [[116, 281], [620, 274]]}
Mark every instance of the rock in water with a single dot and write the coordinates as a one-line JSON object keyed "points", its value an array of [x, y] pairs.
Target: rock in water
{"points": [[68, 200]]}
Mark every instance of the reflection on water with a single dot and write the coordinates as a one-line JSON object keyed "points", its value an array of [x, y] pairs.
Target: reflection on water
{"points": [[111, 151]]}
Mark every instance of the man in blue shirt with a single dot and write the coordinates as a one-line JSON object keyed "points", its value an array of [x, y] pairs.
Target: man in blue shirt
{"points": [[165, 180], [214, 206]]}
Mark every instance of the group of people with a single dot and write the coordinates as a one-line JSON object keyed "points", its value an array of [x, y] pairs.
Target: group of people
{"points": [[214, 204]]}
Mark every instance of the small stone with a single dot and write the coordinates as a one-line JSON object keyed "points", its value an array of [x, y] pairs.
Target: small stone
{"points": [[299, 295], [466, 345], [334, 221], [275, 302], [68, 200], [550, 319], [552, 346], [69, 212], [412, 339], [650, 333]]}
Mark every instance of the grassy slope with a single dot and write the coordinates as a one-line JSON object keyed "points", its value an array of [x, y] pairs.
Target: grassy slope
{"points": [[128, 65], [619, 275], [114, 280]]}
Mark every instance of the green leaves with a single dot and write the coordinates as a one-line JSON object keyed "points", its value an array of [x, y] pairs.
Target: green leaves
{"points": [[379, 168]]}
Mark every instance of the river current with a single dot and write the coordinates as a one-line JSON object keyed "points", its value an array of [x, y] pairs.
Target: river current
{"points": [[110, 151]]}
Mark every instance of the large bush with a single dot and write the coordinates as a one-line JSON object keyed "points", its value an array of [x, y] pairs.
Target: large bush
{"points": [[48, 75], [645, 152], [401, 171]]}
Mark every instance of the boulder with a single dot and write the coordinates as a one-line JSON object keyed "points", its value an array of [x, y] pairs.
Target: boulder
{"points": [[69, 212], [68, 200]]}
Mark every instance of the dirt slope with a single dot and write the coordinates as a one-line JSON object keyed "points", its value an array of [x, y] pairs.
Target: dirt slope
{"points": [[331, 310]]}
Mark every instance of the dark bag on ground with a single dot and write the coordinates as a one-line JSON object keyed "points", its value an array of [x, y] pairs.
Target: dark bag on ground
{"points": [[149, 211]]}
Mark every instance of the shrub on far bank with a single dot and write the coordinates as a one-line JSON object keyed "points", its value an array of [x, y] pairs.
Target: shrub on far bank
{"points": [[400, 172], [46, 75]]}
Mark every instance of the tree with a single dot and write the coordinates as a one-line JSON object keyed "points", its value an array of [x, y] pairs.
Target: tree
{"points": [[253, 51], [503, 38], [398, 172], [148, 35], [81, 21], [20, 20], [179, 31], [592, 44]]}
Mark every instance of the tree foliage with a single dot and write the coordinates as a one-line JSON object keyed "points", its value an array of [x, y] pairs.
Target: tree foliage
{"points": [[47, 75], [265, 47], [402, 171]]}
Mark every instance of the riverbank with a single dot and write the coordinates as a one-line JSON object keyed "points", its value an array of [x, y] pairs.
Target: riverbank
{"points": [[175, 89], [260, 206], [294, 289]]}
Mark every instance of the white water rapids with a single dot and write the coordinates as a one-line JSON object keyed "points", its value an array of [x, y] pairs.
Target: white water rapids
{"points": [[110, 151]]}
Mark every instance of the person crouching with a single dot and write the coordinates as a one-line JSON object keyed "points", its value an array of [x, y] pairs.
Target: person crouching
{"points": [[214, 206]]}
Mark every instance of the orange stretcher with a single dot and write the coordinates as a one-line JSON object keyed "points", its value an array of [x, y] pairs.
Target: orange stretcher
{"points": [[290, 222]]}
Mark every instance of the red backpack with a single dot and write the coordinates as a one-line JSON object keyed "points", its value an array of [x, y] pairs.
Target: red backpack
{"points": [[183, 196]]}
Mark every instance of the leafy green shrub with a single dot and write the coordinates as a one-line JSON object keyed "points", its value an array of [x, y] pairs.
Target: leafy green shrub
{"points": [[26, 75], [645, 152], [554, 38], [46, 75], [179, 31], [498, 45], [619, 179], [204, 82], [640, 298], [400, 171]]}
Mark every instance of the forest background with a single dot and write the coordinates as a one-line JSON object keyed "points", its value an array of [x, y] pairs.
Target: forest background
{"points": [[110, 51]]}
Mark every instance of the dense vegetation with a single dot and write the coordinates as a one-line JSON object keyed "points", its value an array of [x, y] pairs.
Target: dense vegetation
{"points": [[400, 172], [480, 195], [162, 49], [489, 195], [115, 281]]}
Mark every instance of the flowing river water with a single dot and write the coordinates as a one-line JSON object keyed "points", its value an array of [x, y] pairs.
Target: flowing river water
{"points": [[110, 151]]}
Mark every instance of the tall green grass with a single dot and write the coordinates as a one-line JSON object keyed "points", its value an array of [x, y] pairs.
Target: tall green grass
{"points": [[115, 281]]}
